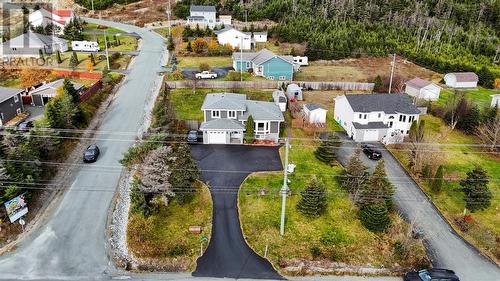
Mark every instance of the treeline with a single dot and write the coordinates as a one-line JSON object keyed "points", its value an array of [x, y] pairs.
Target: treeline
{"points": [[102, 4]]}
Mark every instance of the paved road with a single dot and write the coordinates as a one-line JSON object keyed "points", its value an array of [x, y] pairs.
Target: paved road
{"points": [[72, 242], [443, 245], [228, 255]]}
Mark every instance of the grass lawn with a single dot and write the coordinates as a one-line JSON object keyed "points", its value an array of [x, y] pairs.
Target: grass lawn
{"points": [[484, 232], [163, 31], [211, 61], [83, 58], [127, 43], [164, 237], [479, 96], [336, 73], [11, 83], [338, 234], [188, 104], [93, 26]]}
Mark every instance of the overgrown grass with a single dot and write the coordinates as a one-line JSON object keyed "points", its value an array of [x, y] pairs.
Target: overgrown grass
{"points": [[479, 96], [127, 43], [338, 234], [211, 61], [484, 231], [164, 237], [93, 26], [338, 73], [188, 103], [83, 59]]}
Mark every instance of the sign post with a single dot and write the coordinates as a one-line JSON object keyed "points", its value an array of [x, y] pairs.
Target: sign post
{"points": [[202, 239], [22, 223]]}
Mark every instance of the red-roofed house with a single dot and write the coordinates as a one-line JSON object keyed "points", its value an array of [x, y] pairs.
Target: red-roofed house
{"points": [[422, 89], [43, 17], [461, 80]]}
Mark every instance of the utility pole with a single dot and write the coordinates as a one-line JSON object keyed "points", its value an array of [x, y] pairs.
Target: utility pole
{"points": [[93, 6], [284, 189], [393, 64], [241, 59], [168, 17], [106, 43]]}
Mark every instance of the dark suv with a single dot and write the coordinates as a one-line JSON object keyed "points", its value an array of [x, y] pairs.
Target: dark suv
{"points": [[371, 151], [193, 136], [91, 153], [432, 274]]}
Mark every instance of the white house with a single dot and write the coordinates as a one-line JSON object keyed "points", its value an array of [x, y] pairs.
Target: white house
{"points": [[422, 89], [294, 91], [235, 38], [43, 17], [202, 15], [30, 44], [376, 117], [301, 60], [85, 46], [279, 99], [495, 100], [260, 37], [461, 80], [314, 113]]}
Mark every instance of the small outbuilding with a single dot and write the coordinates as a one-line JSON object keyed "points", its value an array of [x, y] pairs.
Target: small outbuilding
{"points": [[294, 92], [422, 89], [279, 98], [315, 113], [495, 100], [40, 96], [461, 80], [302, 61]]}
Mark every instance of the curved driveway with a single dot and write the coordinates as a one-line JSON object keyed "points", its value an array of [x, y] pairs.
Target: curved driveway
{"points": [[224, 168], [72, 244], [444, 246]]}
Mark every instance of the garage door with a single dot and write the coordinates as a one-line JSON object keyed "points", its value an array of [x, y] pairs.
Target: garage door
{"points": [[370, 135], [217, 137]]}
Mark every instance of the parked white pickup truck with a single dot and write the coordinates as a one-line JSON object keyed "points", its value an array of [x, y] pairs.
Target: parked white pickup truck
{"points": [[206, 75]]}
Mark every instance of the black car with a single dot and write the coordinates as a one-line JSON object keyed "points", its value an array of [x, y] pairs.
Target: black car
{"points": [[371, 151], [432, 274], [91, 153], [25, 126], [193, 136]]}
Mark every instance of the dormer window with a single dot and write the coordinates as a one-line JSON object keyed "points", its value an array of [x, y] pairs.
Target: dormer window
{"points": [[231, 114], [215, 114]]}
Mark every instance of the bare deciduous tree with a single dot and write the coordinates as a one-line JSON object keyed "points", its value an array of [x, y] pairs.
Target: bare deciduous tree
{"points": [[489, 133]]}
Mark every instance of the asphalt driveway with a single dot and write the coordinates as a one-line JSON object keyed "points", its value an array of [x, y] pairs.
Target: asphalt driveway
{"points": [[444, 246], [224, 168], [190, 72]]}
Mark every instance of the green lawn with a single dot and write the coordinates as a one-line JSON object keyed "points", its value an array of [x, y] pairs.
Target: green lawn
{"points": [[188, 104], [338, 233], [127, 43], [163, 239], [83, 58], [211, 61], [92, 26], [457, 161], [479, 96]]}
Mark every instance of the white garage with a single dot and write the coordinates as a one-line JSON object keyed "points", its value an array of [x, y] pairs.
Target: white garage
{"points": [[372, 131], [222, 131], [216, 137], [370, 135]]}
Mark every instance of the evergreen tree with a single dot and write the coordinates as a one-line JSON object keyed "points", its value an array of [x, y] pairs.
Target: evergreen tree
{"points": [[475, 186], [73, 62], [250, 130], [377, 189], [92, 59], [184, 173], [375, 217], [379, 84], [470, 120], [354, 175], [486, 77], [170, 45], [437, 182], [189, 48], [58, 56], [69, 89], [40, 54], [327, 150], [313, 199]]}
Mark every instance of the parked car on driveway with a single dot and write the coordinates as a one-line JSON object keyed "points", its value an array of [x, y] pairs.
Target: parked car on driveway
{"points": [[433, 274], [193, 136], [91, 153], [371, 151], [206, 75], [25, 126]]}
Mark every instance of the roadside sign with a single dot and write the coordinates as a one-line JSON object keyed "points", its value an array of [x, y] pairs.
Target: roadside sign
{"points": [[196, 229], [204, 239], [16, 208]]}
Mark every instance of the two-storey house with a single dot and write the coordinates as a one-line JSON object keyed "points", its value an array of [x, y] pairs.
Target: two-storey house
{"points": [[376, 117], [265, 63], [204, 16], [225, 116], [11, 104]]}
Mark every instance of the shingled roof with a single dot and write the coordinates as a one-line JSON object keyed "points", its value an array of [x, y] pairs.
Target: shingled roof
{"points": [[260, 56], [418, 83], [388, 103], [465, 76], [199, 8]]}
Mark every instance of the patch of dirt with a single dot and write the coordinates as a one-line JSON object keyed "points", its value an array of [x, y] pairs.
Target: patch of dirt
{"points": [[306, 267]]}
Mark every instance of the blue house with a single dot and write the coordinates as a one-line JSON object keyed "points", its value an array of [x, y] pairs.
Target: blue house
{"points": [[266, 64]]}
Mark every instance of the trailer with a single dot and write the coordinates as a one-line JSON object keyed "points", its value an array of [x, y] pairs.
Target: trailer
{"points": [[85, 46]]}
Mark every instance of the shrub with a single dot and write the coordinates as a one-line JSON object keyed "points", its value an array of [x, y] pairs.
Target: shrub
{"points": [[375, 217], [137, 153], [204, 67], [327, 150], [333, 236], [313, 199], [177, 250], [315, 251]]}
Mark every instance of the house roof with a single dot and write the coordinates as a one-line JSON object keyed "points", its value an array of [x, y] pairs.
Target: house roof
{"points": [[52, 86], [222, 124], [33, 40], [228, 28], [260, 33], [260, 56], [370, 125], [465, 76], [278, 94], [198, 8], [388, 103], [7, 93], [418, 83], [313, 106], [63, 13], [202, 18], [293, 87], [262, 110]]}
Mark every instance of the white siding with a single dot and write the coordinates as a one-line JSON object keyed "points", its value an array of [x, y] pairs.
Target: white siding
{"points": [[234, 37]]}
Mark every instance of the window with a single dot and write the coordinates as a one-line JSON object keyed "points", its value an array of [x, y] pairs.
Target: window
{"points": [[231, 114], [215, 114], [270, 77], [282, 78], [248, 64], [407, 132], [360, 116], [379, 115], [411, 119], [16, 98], [1, 115], [366, 116], [260, 126], [402, 118]]}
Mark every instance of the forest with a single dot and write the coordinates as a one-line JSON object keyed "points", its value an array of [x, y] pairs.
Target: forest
{"points": [[443, 35]]}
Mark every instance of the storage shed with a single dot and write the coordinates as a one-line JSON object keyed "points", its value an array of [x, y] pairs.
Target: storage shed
{"points": [[294, 92], [315, 113], [461, 80], [279, 99]]}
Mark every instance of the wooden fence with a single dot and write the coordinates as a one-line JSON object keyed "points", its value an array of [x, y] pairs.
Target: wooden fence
{"points": [[270, 84], [90, 91]]}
